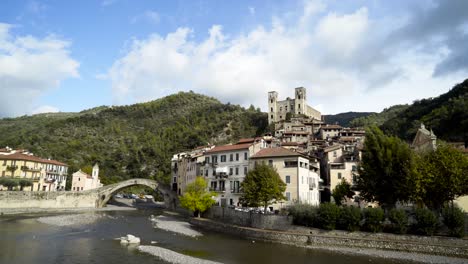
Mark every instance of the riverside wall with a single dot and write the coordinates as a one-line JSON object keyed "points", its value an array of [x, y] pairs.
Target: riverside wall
{"points": [[249, 219], [319, 238], [27, 201]]}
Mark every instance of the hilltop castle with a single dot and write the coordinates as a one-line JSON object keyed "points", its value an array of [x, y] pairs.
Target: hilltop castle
{"points": [[277, 110]]}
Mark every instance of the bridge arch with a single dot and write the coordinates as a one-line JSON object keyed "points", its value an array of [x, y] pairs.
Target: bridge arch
{"points": [[105, 193]]}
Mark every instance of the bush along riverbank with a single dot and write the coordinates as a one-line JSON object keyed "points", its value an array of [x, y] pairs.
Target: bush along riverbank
{"points": [[420, 221]]}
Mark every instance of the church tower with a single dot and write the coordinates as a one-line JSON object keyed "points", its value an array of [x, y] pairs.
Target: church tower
{"points": [[272, 111], [300, 103]]}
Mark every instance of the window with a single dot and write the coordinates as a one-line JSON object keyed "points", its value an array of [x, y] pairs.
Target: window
{"points": [[270, 162], [288, 196], [339, 175], [78, 179], [214, 158], [206, 173], [237, 170], [245, 155], [231, 157], [281, 108], [286, 108], [272, 109], [271, 116], [245, 170], [81, 188], [237, 156], [230, 171], [3, 173], [288, 179], [223, 158], [290, 164], [281, 117], [334, 154], [207, 159], [73, 188], [354, 168]]}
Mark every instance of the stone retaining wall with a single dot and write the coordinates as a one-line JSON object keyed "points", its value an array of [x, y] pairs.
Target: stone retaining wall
{"points": [[27, 201], [427, 245], [249, 219]]}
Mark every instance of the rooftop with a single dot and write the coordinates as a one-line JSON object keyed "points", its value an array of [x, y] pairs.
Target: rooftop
{"points": [[26, 157], [275, 152], [229, 148]]}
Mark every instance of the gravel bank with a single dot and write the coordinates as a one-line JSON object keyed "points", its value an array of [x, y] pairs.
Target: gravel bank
{"points": [[69, 220], [397, 255], [172, 224], [172, 256]]}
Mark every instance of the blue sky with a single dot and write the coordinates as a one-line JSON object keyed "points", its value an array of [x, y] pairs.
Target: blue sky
{"points": [[351, 55]]}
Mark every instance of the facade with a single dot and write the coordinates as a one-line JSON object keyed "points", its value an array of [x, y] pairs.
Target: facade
{"points": [[82, 181], [225, 168], [277, 110], [328, 132], [45, 174], [298, 171], [424, 140]]}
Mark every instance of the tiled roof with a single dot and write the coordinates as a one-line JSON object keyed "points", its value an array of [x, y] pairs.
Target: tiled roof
{"points": [[275, 152], [289, 144], [247, 140], [331, 127], [20, 156], [297, 132], [229, 148], [331, 148]]}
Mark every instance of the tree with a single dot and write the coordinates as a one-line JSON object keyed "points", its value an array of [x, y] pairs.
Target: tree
{"points": [[342, 190], [442, 176], [387, 170], [9, 183], [196, 197], [24, 183], [261, 186]]}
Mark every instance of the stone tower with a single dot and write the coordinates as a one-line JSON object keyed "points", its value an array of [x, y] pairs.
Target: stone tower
{"points": [[272, 111], [300, 103]]}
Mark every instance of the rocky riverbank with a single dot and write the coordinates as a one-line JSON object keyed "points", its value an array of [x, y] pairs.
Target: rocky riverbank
{"points": [[69, 220], [172, 224], [172, 256]]}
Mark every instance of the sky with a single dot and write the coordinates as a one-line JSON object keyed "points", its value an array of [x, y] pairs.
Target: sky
{"points": [[351, 55]]}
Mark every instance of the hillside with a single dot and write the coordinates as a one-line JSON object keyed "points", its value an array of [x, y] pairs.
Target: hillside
{"points": [[344, 119], [446, 115], [378, 118], [132, 141]]}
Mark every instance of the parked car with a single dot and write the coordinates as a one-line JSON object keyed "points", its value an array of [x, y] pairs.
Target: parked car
{"points": [[118, 195], [133, 196]]}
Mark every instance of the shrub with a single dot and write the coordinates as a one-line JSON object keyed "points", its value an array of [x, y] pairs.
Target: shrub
{"points": [[349, 218], [303, 214], [426, 221], [399, 221], [327, 216], [454, 219], [373, 219]]}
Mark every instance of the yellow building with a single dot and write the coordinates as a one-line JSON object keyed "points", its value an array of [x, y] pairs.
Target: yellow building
{"points": [[44, 174]]}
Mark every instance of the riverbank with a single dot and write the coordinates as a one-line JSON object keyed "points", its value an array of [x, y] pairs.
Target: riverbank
{"points": [[420, 249], [16, 211]]}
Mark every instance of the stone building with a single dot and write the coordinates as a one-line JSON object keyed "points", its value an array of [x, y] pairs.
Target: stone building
{"points": [[424, 140], [277, 110], [82, 181], [298, 171]]}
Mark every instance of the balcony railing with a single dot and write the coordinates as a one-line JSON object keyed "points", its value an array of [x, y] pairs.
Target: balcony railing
{"points": [[236, 190], [26, 168], [312, 186], [218, 189]]}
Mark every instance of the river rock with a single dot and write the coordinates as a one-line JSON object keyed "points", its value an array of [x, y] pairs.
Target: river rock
{"points": [[129, 239]]}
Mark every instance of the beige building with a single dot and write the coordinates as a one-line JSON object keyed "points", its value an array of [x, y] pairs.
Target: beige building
{"points": [[44, 174], [298, 171], [277, 110], [424, 140], [226, 167], [328, 132], [82, 181]]}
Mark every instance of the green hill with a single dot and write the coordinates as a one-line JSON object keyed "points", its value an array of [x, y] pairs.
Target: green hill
{"points": [[378, 118], [136, 140], [344, 119], [446, 115]]}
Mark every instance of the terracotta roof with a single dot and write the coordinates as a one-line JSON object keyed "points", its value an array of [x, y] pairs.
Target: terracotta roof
{"points": [[85, 174], [247, 140], [331, 127], [20, 156], [289, 144], [275, 152], [331, 148], [297, 132], [229, 148], [347, 138]]}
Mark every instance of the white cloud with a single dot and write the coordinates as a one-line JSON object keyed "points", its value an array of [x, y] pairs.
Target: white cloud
{"points": [[45, 109], [29, 67], [345, 60]]}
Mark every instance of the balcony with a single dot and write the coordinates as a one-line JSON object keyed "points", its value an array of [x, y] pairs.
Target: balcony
{"points": [[26, 168], [12, 168], [312, 186], [218, 189], [238, 190]]}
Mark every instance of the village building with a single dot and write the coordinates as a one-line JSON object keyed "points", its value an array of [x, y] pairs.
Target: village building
{"points": [[44, 174], [298, 171], [226, 166], [424, 140], [82, 181]]}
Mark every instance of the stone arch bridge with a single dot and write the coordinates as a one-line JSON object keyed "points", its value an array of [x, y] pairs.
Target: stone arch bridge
{"points": [[27, 201]]}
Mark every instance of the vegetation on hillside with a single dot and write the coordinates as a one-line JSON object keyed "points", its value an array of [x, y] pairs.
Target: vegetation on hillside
{"points": [[136, 140], [377, 119], [344, 119]]}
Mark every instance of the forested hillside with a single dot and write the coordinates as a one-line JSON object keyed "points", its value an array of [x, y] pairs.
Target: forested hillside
{"points": [[132, 141], [344, 119], [446, 115]]}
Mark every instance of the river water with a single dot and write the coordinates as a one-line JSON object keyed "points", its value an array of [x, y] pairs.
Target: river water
{"points": [[25, 240]]}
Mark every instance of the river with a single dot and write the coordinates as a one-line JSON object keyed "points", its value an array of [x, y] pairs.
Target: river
{"points": [[23, 239]]}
